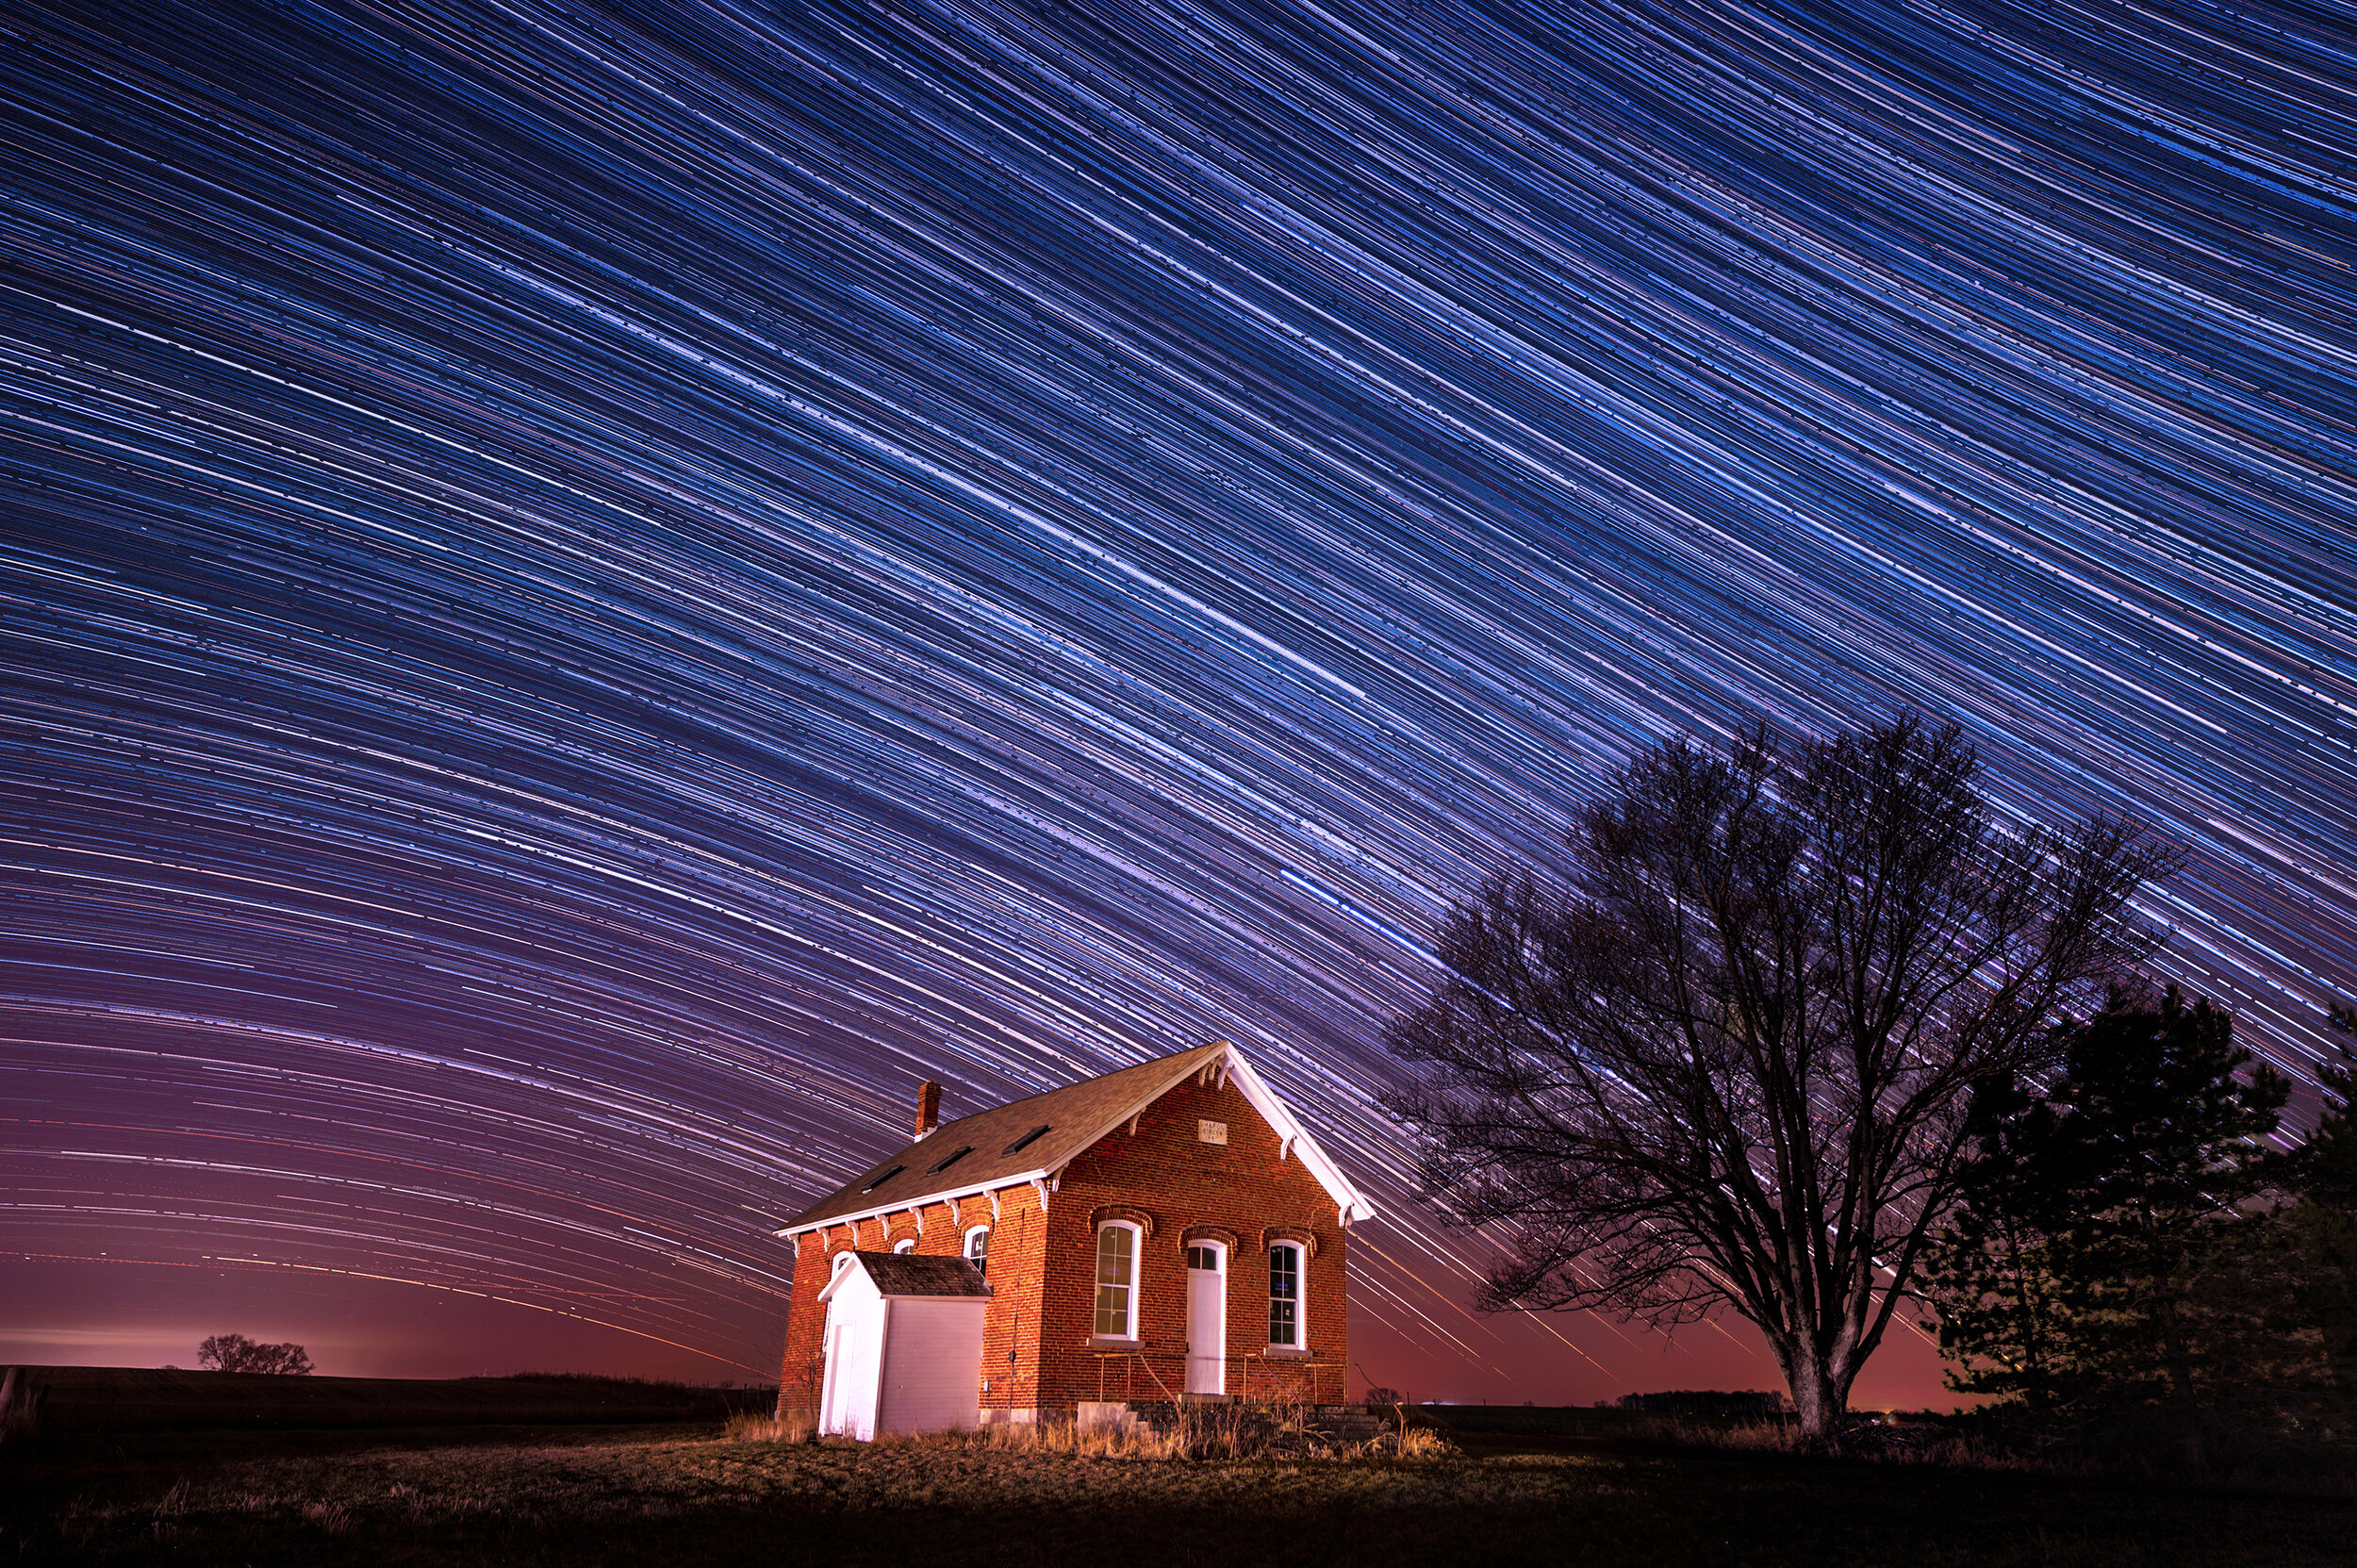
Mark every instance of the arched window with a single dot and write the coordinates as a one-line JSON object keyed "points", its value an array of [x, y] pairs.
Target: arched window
{"points": [[1118, 1280], [841, 1261], [977, 1247], [1285, 1303], [909, 1245]]}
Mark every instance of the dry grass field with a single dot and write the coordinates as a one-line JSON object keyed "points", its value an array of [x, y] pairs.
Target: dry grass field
{"points": [[690, 1494]]}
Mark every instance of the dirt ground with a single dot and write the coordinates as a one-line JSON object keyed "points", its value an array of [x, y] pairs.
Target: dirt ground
{"points": [[685, 1494]]}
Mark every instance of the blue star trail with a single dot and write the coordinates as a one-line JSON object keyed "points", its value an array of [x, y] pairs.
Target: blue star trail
{"points": [[591, 594]]}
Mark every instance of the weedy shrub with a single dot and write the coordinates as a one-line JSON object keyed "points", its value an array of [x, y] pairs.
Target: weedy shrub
{"points": [[335, 1518], [1068, 1437], [1418, 1443], [1759, 1437], [1230, 1431], [1219, 1431], [754, 1427], [1881, 1441], [20, 1405]]}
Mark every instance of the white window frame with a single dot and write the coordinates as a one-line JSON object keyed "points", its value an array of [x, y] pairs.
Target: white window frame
{"points": [[966, 1246], [842, 1261], [906, 1244], [1300, 1296], [1137, 1261]]}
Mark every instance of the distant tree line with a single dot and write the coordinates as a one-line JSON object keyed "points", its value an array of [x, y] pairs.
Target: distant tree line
{"points": [[237, 1353], [1707, 1401]]}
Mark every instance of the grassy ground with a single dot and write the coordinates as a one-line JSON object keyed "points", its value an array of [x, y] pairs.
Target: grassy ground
{"points": [[684, 1495]]}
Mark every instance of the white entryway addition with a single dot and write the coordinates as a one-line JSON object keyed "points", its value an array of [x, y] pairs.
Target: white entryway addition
{"points": [[904, 1345]]}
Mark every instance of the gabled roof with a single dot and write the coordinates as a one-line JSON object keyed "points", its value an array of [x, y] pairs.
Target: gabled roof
{"points": [[1035, 1138], [1000, 1146], [907, 1274]]}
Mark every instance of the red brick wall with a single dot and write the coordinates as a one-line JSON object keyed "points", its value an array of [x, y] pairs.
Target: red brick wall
{"points": [[1042, 1267], [1010, 1323], [1168, 1171], [799, 1369]]}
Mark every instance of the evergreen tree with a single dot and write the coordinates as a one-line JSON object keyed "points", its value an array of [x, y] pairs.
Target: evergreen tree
{"points": [[1992, 1270], [2319, 1234], [2112, 1254], [2164, 1272], [2329, 1159]]}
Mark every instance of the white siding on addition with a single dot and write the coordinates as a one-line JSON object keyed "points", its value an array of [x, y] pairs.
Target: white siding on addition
{"points": [[933, 1360]]}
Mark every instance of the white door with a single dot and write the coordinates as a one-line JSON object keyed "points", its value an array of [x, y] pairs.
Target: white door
{"points": [[1207, 1318], [830, 1386], [854, 1353]]}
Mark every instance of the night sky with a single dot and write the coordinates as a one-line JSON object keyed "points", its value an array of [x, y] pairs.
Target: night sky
{"points": [[590, 599]]}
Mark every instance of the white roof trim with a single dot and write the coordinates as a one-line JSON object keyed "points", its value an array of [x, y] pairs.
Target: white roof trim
{"points": [[1349, 1200], [901, 1205], [855, 1266], [1351, 1204]]}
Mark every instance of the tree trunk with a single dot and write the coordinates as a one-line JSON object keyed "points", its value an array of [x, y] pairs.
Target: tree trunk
{"points": [[1819, 1400], [2182, 1396]]}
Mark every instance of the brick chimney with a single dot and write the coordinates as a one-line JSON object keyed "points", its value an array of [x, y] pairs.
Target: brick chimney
{"points": [[928, 1108]]}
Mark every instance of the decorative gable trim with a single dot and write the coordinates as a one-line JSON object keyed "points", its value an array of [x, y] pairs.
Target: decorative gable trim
{"points": [[1351, 1206], [1228, 1066], [1299, 1235]]}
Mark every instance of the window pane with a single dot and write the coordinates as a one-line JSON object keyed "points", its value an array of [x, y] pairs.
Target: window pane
{"points": [[977, 1250], [1284, 1294], [1113, 1256], [1113, 1259]]}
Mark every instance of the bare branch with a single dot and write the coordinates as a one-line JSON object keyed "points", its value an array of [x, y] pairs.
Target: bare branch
{"points": [[1724, 1062]]}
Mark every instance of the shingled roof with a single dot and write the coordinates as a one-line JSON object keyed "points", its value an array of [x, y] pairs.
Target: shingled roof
{"points": [[908, 1274], [1037, 1137]]}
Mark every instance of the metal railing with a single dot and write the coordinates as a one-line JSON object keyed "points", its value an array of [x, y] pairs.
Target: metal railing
{"points": [[1309, 1368], [1131, 1361]]}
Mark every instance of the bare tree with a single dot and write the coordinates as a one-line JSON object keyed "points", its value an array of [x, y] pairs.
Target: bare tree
{"points": [[1723, 1060], [237, 1353]]}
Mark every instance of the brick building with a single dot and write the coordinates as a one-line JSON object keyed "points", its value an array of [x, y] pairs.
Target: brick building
{"points": [[1168, 1230]]}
